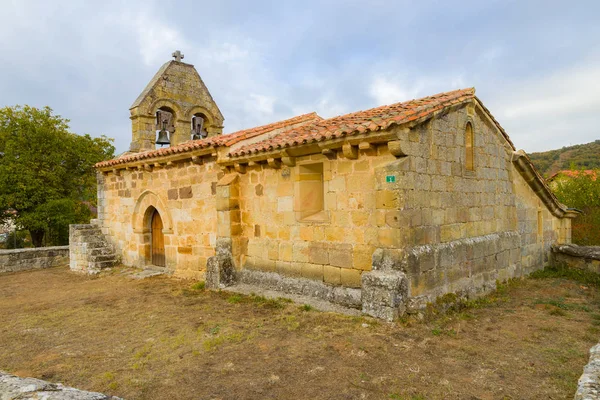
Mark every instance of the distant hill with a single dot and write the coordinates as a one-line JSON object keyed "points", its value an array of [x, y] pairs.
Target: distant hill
{"points": [[586, 156]]}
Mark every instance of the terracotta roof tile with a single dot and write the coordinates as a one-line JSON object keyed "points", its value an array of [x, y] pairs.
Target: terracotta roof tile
{"points": [[215, 141], [360, 122], [574, 173]]}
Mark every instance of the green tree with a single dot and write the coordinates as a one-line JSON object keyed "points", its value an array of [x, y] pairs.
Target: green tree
{"points": [[582, 191], [46, 172]]}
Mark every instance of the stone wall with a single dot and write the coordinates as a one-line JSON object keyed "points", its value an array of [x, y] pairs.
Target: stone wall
{"points": [[35, 258], [588, 387], [455, 230], [13, 387], [580, 257], [334, 246], [332, 216], [184, 195]]}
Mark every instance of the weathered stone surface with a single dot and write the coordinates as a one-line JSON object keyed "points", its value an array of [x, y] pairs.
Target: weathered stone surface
{"points": [[588, 387], [590, 252], [580, 257], [220, 269], [13, 387], [89, 250], [35, 258], [346, 297], [384, 294]]}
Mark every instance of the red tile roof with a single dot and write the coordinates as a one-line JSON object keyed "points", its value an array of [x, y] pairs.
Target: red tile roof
{"points": [[362, 122], [574, 173], [214, 141]]}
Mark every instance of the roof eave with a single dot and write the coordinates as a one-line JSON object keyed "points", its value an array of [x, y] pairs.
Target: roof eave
{"points": [[527, 170]]}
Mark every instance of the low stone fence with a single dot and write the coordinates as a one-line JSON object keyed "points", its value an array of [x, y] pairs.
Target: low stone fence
{"points": [[13, 387], [588, 387], [580, 257], [34, 258]]}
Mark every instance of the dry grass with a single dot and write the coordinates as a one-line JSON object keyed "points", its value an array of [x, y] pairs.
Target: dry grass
{"points": [[167, 339]]}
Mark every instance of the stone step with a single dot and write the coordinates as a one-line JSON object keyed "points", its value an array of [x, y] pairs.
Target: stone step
{"points": [[96, 245], [103, 264], [78, 227], [101, 251], [100, 258], [87, 233]]}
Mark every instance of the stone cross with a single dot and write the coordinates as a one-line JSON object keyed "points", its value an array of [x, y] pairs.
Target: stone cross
{"points": [[178, 56]]}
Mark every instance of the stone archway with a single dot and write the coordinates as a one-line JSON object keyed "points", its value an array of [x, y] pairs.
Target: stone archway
{"points": [[148, 205]]}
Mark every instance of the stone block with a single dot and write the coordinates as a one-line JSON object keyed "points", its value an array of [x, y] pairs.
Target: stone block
{"points": [[318, 253], [184, 250], [341, 255], [362, 257], [384, 294], [301, 251], [286, 251], [306, 233], [285, 204], [335, 234], [185, 192], [350, 277], [285, 268], [359, 218], [312, 271], [172, 194], [337, 184], [386, 199], [332, 275]]}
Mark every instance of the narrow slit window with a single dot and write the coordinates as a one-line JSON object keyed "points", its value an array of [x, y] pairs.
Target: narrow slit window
{"points": [[540, 224], [470, 148]]}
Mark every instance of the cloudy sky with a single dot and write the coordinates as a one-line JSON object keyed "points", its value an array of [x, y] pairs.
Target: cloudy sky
{"points": [[535, 64]]}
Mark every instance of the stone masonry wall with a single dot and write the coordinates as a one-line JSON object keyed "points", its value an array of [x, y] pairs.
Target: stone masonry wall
{"points": [[459, 230], [35, 258], [581, 257], [446, 228], [178, 87], [336, 246], [184, 195]]}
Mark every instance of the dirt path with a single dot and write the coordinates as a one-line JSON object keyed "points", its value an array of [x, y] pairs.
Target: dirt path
{"points": [[161, 339]]}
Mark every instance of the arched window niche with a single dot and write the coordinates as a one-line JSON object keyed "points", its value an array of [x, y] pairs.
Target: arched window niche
{"points": [[469, 147], [165, 126], [199, 122]]}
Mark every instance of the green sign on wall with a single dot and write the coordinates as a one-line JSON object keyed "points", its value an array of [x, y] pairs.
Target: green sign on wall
{"points": [[390, 178]]}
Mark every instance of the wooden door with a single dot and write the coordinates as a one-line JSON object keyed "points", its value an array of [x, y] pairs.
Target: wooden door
{"points": [[158, 241]]}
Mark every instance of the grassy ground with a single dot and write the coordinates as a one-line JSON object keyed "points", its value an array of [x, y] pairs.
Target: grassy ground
{"points": [[163, 338]]}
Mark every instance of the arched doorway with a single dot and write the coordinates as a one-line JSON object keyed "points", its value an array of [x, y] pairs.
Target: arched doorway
{"points": [[158, 240]]}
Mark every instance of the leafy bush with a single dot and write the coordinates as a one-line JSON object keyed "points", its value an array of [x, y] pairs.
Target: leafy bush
{"points": [[582, 192]]}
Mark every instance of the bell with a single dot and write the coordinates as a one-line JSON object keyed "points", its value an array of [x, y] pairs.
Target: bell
{"points": [[197, 131], [163, 138]]}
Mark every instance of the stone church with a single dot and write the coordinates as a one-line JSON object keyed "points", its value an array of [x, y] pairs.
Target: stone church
{"points": [[382, 210]]}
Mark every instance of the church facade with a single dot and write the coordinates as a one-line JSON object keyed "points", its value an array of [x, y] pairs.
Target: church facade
{"points": [[384, 209]]}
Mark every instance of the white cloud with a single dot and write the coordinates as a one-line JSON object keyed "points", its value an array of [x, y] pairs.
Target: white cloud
{"points": [[395, 89], [260, 103], [155, 38], [491, 54], [561, 93], [552, 110], [388, 91]]}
